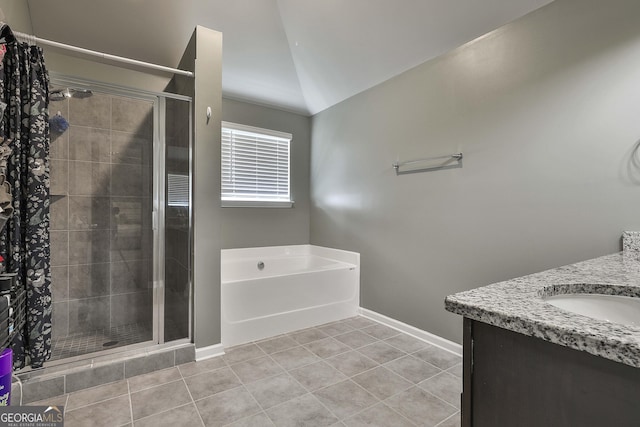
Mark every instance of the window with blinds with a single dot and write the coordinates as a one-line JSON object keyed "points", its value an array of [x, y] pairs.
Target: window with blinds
{"points": [[177, 190], [255, 166]]}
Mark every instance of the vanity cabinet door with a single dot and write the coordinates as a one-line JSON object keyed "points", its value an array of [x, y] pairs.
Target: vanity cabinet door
{"points": [[514, 380]]}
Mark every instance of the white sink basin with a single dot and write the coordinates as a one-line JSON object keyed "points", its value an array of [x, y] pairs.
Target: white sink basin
{"points": [[611, 308]]}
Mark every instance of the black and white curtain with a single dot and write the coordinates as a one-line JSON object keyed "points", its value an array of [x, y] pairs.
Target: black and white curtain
{"points": [[24, 241]]}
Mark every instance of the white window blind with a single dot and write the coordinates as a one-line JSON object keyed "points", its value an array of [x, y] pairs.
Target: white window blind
{"points": [[255, 166], [177, 190]]}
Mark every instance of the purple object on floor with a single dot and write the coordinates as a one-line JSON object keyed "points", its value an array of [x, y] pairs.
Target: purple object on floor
{"points": [[6, 369]]}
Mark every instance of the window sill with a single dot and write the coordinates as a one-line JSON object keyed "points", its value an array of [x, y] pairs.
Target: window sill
{"points": [[255, 204]]}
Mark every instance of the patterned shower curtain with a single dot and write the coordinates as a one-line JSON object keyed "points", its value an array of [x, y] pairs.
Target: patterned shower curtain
{"points": [[24, 241]]}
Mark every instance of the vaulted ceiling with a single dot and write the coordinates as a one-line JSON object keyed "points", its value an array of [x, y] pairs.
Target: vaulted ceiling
{"points": [[299, 55]]}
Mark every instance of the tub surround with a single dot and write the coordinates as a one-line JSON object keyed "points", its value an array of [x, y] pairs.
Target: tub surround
{"points": [[517, 305], [274, 290]]}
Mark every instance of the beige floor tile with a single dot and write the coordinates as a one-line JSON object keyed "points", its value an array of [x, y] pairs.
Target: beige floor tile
{"points": [[327, 347], [208, 383], [356, 339], [308, 335], [159, 399], [256, 369], [412, 369], [274, 345], [335, 328], [186, 415], [312, 377], [302, 411], [351, 363], [446, 386], [109, 413], [379, 415], [153, 379], [443, 359], [195, 368], [275, 390], [258, 420], [381, 382], [241, 353], [456, 370], [380, 332], [294, 358], [52, 401], [93, 395], [345, 398], [406, 343], [317, 375], [420, 407], [453, 421], [381, 352], [359, 322], [227, 407]]}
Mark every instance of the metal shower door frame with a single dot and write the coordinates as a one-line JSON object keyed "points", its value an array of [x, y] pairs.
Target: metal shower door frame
{"points": [[158, 206]]}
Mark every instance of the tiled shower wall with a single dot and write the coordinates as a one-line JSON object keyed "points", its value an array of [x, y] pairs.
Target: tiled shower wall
{"points": [[101, 201]]}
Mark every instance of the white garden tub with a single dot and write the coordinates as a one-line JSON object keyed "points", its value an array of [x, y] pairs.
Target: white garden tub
{"points": [[273, 290]]}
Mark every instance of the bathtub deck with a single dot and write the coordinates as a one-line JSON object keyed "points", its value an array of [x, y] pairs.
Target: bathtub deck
{"points": [[354, 371]]}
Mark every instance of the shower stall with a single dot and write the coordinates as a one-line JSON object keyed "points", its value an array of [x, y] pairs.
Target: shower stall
{"points": [[120, 218]]}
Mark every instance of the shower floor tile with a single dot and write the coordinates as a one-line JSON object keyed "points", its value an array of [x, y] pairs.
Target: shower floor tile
{"points": [[100, 339]]}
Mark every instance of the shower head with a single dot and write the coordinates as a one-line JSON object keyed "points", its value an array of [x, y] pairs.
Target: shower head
{"points": [[80, 93], [59, 95], [62, 94]]}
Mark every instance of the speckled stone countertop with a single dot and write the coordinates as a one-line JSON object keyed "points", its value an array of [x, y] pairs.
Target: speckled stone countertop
{"points": [[517, 305]]}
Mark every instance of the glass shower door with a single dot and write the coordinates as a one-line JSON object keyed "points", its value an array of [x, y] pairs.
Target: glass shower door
{"points": [[177, 230], [101, 228], [120, 218]]}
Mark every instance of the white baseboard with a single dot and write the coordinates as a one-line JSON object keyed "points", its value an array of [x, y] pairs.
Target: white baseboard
{"points": [[425, 336], [209, 352]]}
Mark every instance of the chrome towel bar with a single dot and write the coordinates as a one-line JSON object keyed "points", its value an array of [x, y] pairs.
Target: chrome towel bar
{"points": [[445, 165]]}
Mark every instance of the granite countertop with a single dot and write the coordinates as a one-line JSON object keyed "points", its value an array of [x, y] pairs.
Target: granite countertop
{"points": [[517, 305]]}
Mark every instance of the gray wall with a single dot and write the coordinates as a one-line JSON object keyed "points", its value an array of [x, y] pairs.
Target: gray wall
{"points": [[63, 62], [16, 14], [206, 183], [546, 112], [254, 227]]}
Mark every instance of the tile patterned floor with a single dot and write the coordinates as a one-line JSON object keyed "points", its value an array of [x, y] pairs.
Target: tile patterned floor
{"points": [[355, 372], [90, 342]]}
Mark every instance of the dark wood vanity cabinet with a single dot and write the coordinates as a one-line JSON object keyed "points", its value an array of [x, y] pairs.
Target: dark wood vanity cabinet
{"points": [[513, 380]]}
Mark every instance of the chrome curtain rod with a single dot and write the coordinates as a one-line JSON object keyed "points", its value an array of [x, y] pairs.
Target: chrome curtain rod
{"points": [[104, 55]]}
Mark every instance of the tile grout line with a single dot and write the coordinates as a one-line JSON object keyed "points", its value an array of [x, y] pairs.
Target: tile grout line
{"points": [[251, 394], [193, 402], [381, 402], [190, 395], [448, 418], [312, 392], [130, 401], [97, 401], [288, 372], [441, 399]]}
